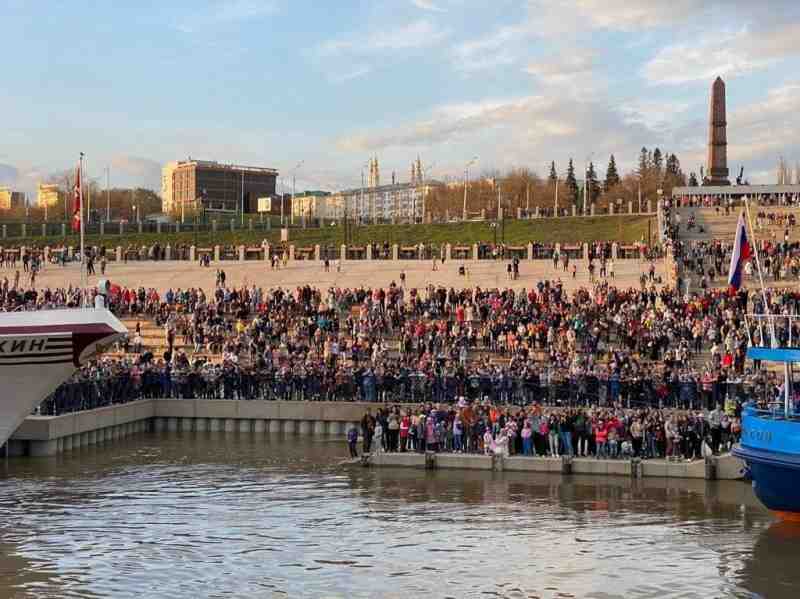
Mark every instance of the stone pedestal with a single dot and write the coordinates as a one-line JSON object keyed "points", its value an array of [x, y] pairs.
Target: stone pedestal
{"points": [[614, 250], [585, 251], [611, 207], [266, 248], [44, 229], [343, 252], [395, 251], [369, 251], [216, 253], [291, 252], [158, 227], [574, 210], [530, 251], [591, 209], [448, 252], [241, 253], [475, 251], [102, 228], [118, 250], [630, 206], [192, 253], [519, 213], [317, 253], [168, 252], [47, 254]]}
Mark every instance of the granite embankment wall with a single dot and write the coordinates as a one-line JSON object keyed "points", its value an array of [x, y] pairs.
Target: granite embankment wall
{"points": [[51, 435], [720, 468]]}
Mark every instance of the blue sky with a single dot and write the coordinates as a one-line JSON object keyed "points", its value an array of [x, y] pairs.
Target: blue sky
{"points": [[273, 82]]}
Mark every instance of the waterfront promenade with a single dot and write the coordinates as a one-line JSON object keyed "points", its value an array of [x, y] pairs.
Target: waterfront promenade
{"points": [[44, 436], [163, 275]]}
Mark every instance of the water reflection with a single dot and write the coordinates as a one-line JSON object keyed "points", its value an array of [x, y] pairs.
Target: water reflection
{"points": [[217, 515]]}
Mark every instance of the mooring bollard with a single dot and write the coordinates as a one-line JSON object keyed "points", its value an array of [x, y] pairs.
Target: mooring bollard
{"points": [[430, 460], [498, 463], [711, 468]]}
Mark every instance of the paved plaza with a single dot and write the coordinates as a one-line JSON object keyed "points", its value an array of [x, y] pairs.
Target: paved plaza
{"points": [[484, 273]]}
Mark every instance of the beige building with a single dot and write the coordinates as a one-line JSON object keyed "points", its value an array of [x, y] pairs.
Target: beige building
{"points": [[167, 196], [48, 195], [317, 205], [11, 199], [397, 202]]}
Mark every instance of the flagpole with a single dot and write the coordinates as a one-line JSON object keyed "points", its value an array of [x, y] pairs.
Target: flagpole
{"points": [[80, 215], [770, 323]]}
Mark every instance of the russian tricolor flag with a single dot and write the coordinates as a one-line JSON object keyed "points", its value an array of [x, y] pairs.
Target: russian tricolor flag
{"points": [[742, 252]]}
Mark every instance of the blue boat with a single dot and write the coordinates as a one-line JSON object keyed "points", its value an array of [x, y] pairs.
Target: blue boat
{"points": [[770, 441]]}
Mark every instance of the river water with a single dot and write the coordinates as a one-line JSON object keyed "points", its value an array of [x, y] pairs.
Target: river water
{"points": [[215, 515]]}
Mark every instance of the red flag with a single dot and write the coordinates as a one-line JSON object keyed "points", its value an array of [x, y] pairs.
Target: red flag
{"points": [[76, 201]]}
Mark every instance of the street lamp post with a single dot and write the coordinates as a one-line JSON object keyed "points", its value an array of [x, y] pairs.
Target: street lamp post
{"points": [[294, 170], [586, 182], [466, 184], [108, 194], [424, 190], [283, 191], [555, 206]]}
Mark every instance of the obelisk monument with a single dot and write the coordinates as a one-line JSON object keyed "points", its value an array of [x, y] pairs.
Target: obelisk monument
{"points": [[717, 167]]}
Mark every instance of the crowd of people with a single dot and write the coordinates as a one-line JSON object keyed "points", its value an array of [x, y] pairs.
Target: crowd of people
{"points": [[598, 345], [536, 430], [604, 350]]}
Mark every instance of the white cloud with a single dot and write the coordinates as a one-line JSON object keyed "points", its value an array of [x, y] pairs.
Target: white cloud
{"points": [[565, 68], [508, 131], [224, 12], [501, 47], [427, 5], [8, 174], [418, 34], [147, 172], [768, 127], [349, 75], [656, 115], [723, 53]]}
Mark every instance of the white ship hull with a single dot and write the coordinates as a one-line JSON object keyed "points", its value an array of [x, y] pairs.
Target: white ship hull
{"points": [[40, 350]]}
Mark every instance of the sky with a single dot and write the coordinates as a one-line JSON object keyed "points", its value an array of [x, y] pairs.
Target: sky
{"points": [[330, 83]]}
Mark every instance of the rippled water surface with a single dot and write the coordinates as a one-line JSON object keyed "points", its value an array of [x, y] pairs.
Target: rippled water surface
{"points": [[204, 515]]}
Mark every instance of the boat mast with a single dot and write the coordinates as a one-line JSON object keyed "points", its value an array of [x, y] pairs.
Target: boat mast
{"points": [[770, 322]]}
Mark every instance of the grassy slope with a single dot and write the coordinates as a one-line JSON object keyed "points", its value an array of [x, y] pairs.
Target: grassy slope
{"points": [[564, 230]]}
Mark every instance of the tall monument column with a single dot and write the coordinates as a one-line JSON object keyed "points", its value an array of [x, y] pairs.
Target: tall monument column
{"points": [[717, 167]]}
